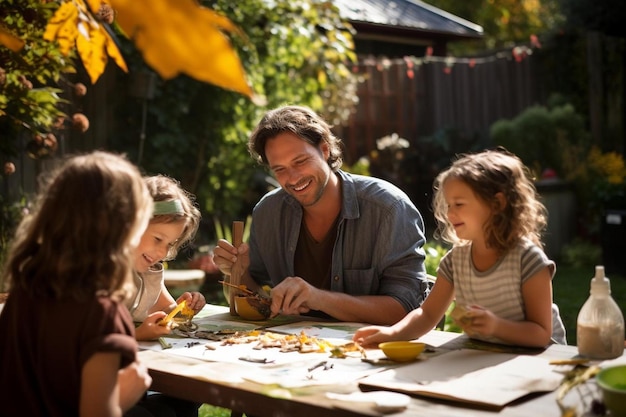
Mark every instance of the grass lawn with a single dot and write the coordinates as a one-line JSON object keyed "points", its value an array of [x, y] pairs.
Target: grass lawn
{"points": [[571, 290], [210, 411]]}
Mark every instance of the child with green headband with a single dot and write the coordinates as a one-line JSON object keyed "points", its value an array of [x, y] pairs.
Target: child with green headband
{"points": [[174, 223]]}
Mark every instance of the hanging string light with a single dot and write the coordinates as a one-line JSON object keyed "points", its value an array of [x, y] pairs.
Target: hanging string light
{"points": [[518, 53]]}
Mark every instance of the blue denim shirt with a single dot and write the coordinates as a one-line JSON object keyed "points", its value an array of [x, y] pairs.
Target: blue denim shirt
{"points": [[379, 245]]}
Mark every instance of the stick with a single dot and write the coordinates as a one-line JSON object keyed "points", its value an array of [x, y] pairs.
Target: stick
{"points": [[243, 290], [236, 271]]}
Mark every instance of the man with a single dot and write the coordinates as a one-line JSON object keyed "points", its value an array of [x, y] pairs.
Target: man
{"points": [[328, 242]]}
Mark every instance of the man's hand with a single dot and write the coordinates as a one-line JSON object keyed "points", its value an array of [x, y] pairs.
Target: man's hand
{"points": [[225, 255], [294, 296]]}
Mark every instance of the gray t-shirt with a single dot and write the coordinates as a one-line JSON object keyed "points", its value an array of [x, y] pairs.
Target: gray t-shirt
{"points": [[499, 289]]}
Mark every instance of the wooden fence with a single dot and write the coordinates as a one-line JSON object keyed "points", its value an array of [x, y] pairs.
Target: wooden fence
{"points": [[415, 97]]}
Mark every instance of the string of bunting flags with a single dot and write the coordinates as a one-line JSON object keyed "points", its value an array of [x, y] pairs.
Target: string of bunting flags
{"points": [[517, 53]]}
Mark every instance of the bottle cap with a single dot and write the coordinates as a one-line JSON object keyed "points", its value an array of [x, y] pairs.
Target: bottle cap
{"points": [[600, 283]]}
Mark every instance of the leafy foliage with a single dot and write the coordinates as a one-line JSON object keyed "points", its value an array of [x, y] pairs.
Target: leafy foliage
{"points": [[599, 179], [74, 26], [581, 254], [10, 216], [605, 16], [504, 22], [434, 253], [29, 98], [556, 137], [538, 134], [42, 40], [297, 52], [179, 37]]}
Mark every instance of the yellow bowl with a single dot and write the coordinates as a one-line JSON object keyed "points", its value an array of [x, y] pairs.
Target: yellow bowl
{"points": [[249, 312], [402, 351], [612, 381]]}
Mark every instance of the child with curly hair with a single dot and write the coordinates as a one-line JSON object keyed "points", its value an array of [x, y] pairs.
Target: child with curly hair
{"points": [[486, 205]]}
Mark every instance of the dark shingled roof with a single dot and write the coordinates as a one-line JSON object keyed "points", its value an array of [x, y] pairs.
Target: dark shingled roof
{"points": [[409, 15]]}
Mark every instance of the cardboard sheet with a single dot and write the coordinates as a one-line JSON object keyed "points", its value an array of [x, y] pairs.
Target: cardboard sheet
{"points": [[486, 379]]}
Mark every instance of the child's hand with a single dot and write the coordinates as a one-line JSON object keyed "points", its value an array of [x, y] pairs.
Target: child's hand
{"points": [[478, 321], [460, 315], [150, 329], [195, 300], [371, 336], [133, 381]]}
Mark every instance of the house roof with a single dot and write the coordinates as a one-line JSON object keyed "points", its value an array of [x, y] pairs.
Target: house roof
{"points": [[409, 16]]}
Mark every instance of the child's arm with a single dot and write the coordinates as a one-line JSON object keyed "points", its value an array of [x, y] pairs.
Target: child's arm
{"points": [[416, 323], [165, 302], [133, 381], [535, 331], [102, 394]]}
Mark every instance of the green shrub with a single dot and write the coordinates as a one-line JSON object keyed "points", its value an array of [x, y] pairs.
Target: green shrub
{"points": [[581, 254], [434, 253], [539, 134]]}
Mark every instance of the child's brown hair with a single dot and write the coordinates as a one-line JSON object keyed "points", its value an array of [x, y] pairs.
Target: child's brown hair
{"points": [[488, 173], [79, 238]]}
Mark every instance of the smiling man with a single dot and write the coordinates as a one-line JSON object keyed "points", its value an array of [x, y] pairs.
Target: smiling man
{"points": [[330, 243]]}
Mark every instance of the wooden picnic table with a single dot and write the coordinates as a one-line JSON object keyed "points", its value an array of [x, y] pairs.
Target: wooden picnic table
{"points": [[208, 380]]}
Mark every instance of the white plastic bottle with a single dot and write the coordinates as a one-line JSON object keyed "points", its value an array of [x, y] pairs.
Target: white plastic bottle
{"points": [[600, 323]]}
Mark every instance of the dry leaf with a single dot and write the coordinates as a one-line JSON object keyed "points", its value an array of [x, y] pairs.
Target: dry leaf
{"points": [[181, 37], [62, 27], [175, 37], [10, 41], [74, 26]]}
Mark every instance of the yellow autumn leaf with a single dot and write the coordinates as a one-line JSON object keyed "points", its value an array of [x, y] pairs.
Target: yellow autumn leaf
{"points": [[180, 36], [10, 41], [94, 5], [73, 26], [62, 27], [114, 52], [91, 49]]}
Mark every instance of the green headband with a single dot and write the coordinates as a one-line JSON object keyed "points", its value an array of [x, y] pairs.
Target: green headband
{"points": [[167, 207]]}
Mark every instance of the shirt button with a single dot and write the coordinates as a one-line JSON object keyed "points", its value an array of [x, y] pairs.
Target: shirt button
{"points": [[336, 278]]}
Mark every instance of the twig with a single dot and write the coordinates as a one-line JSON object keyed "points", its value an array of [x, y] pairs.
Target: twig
{"points": [[243, 290]]}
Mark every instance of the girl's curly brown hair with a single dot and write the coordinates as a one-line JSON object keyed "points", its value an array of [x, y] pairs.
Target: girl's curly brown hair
{"points": [[488, 173]]}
